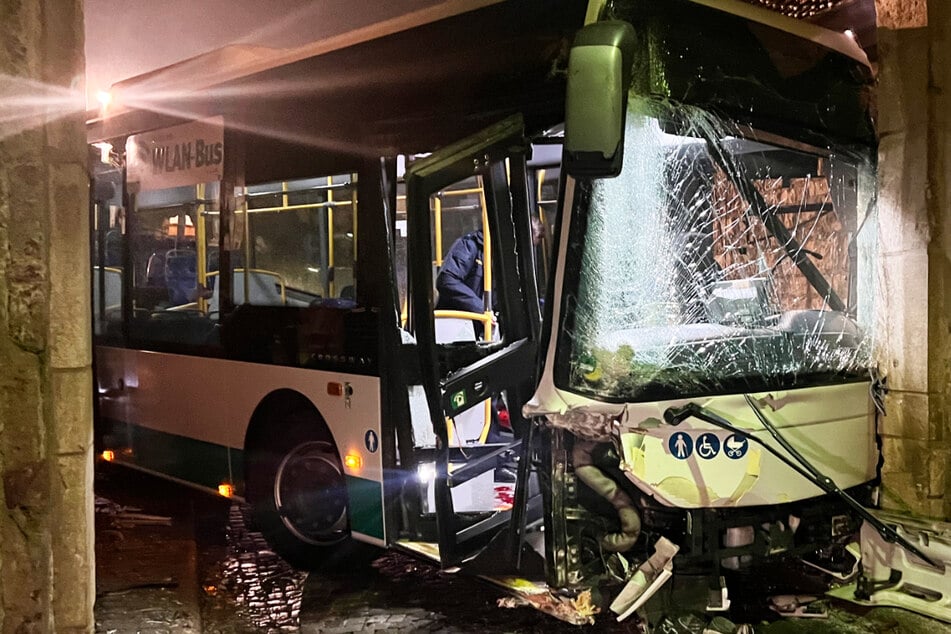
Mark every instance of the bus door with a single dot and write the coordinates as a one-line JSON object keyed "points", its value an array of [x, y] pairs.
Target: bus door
{"points": [[468, 219]]}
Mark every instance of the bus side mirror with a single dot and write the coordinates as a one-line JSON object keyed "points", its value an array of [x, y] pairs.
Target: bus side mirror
{"points": [[599, 76]]}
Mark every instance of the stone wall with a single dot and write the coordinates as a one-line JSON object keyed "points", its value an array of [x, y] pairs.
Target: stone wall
{"points": [[46, 571], [939, 253], [913, 203]]}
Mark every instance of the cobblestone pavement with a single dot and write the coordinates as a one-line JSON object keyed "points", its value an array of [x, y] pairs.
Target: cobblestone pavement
{"points": [[171, 560]]}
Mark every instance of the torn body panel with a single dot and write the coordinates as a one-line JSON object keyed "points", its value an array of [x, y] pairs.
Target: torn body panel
{"points": [[894, 577], [697, 465]]}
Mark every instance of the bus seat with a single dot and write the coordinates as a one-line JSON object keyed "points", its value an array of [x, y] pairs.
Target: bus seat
{"points": [[265, 288]]}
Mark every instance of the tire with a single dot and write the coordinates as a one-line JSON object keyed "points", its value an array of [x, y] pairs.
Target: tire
{"points": [[297, 491]]}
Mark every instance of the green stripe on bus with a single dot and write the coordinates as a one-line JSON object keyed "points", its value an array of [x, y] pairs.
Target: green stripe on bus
{"points": [[366, 506], [196, 461], [206, 464]]}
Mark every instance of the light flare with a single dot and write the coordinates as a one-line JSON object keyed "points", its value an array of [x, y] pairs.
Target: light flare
{"points": [[26, 104]]}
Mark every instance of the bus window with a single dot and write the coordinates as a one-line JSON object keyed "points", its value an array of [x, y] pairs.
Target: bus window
{"points": [[400, 237], [546, 179], [173, 244], [462, 260], [108, 224], [299, 243]]}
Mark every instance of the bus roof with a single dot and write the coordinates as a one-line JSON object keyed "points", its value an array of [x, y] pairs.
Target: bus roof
{"points": [[432, 67], [236, 61], [435, 74]]}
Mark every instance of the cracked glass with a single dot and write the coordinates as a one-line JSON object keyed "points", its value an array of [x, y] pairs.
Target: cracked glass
{"points": [[720, 260]]}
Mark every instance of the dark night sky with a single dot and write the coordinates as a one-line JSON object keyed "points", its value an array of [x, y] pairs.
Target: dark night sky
{"points": [[127, 37]]}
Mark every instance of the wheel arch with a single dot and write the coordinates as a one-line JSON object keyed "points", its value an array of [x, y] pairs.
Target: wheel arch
{"points": [[267, 414]]}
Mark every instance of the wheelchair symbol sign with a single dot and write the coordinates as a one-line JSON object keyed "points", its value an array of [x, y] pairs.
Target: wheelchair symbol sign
{"points": [[680, 445], [708, 446], [735, 446]]}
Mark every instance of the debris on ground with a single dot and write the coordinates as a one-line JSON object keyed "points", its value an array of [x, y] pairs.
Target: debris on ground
{"points": [[693, 623], [798, 606], [128, 516], [646, 580]]}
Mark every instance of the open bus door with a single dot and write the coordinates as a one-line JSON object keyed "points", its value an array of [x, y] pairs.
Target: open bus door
{"points": [[494, 370]]}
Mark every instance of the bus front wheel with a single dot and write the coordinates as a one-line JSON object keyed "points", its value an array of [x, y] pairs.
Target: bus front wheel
{"points": [[298, 494]]}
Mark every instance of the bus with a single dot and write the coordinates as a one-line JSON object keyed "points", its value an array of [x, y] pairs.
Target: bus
{"points": [[678, 367]]}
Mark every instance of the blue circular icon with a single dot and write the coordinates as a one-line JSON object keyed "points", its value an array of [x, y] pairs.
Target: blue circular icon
{"points": [[708, 446], [371, 441], [735, 446], [680, 445]]}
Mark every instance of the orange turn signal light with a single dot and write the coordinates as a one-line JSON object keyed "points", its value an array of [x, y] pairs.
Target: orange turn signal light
{"points": [[335, 389], [108, 455], [353, 461], [225, 490]]}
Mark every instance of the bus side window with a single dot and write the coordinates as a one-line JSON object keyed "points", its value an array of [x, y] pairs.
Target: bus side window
{"points": [[462, 263], [546, 182], [173, 236], [299, 243]]}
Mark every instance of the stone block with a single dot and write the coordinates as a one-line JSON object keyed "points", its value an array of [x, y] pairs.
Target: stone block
{"points": [[69, 340], [25, 552], [900, 492], [26, 487], [66, 137], [906, 416], [63, 37], [904, 456], [27, 295], [23, 440], [902, 183], [938, 471], [902, 95], [903, 347], [72, 410], [73, 542]]}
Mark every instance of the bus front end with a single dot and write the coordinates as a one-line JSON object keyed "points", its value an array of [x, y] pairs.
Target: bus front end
{"points": [[709, 365]]}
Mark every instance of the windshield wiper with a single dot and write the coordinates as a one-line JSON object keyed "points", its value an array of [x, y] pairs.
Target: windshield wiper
{"points": [[675, 416], [777, 229]]}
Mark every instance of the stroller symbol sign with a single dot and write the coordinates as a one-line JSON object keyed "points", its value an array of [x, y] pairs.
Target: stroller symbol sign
{"points": [[735, 446]]}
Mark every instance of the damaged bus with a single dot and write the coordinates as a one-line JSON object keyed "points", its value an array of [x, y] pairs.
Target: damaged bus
{"points": [[680, 372]]}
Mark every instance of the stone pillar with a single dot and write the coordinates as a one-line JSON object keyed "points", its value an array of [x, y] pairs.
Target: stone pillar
{"points": [[939, 255], [46, 504], [913, 196]]}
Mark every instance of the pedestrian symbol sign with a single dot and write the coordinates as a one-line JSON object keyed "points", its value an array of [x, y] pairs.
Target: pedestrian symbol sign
{"points": [[680, 445], [708, 446], [735, 446], [371, 441]]}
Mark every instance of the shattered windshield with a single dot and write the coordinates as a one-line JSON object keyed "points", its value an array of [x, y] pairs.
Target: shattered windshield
{"points": [[717, 263]]}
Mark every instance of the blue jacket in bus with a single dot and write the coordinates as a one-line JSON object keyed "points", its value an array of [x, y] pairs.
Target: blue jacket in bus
{"points": [[459, 281]]}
